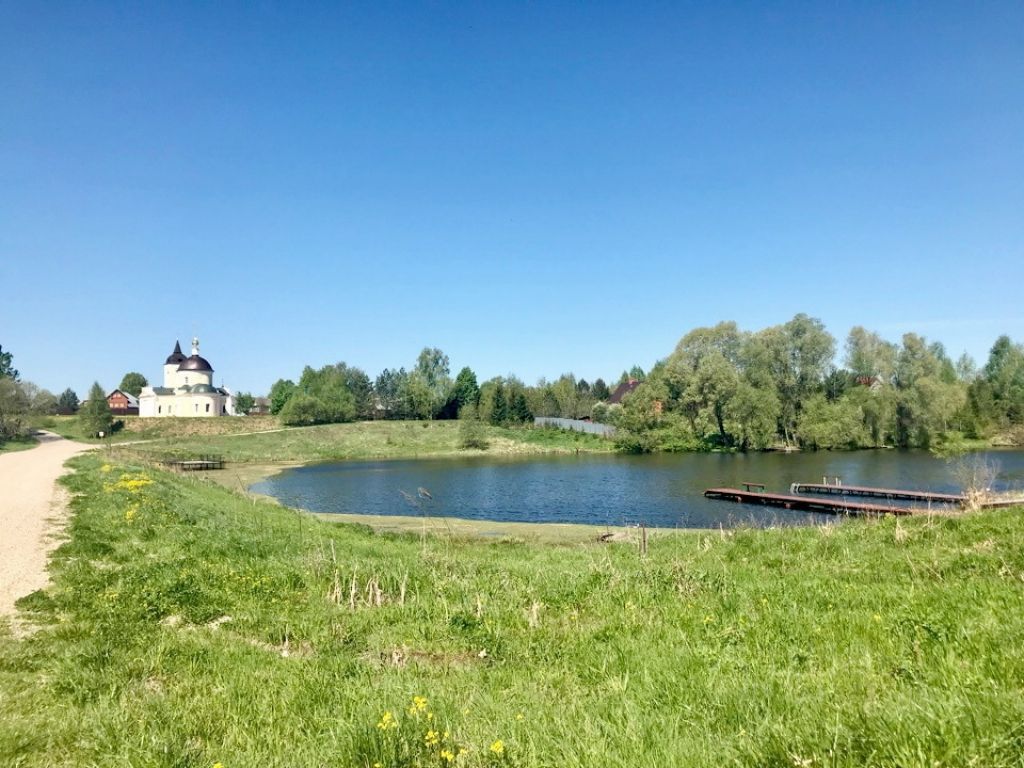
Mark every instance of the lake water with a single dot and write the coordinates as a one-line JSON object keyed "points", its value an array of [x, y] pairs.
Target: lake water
{"points": [[659, 491]]}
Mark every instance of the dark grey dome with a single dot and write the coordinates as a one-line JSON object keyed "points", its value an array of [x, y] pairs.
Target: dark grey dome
{"points": [[176, 357], [203, 389], [196, 363]]}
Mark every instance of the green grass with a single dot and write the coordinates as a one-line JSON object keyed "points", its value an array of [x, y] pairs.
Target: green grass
{"points": [[371, 440], [18, 444], [134, 428], [187, 625]]}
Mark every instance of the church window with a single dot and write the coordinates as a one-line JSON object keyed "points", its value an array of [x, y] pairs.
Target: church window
{"points": [[207, 407], [197, 407]]}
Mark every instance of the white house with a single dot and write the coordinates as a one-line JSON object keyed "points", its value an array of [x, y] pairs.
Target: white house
{"points": [[188, 389]]}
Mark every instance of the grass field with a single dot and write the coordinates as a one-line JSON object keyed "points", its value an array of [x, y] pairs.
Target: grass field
{"points": [[367, 440], [188, 626]]}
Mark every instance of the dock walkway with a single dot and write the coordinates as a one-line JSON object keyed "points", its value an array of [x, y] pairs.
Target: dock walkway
{"points": [[877, 493], [805, 503]]}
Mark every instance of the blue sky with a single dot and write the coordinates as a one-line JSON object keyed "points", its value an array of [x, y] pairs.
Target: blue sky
{"points": [[533, 188]]}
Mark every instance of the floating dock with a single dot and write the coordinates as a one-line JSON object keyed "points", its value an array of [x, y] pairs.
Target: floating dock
{"points": [[805, 503], [877, 493]]}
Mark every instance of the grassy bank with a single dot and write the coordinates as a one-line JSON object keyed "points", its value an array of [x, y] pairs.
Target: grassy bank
{"points": [[133, 428], [369, 440], [189, 626], [18, 444]]}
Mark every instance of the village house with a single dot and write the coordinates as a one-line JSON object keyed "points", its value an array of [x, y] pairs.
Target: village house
{"points": [[123, 404]]}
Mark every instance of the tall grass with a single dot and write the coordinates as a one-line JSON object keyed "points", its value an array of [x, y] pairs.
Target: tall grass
{"points": [[188, 626]]}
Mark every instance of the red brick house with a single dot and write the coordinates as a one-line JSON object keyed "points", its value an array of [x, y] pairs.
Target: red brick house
{"points": [[123, 404]]}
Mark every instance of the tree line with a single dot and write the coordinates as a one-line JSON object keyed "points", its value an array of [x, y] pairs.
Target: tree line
{"points": [[341, 392], [723, 388]]}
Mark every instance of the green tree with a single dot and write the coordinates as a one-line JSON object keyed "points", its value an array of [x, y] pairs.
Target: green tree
{"points": [[14, 408], [388, 389], [304, 410], [519, 409], [7, 369], [600, 390], [472, 434], [132, 383], [417, 398], [464, 392], [95, 415], [280, 393], [499, 406], [432, 369], [828, 424], [68, 401], [869, 355], [244, 402]]}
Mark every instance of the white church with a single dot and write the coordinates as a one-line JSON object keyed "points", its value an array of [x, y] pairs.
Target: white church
{"points": [[188, 389]]}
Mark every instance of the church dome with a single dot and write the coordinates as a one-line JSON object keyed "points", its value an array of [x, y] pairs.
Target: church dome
{"points": [[176, 357], [203, 389], [196, 363]]}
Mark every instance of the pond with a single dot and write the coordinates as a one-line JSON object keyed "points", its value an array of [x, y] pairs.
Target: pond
{"points": [[664, 491]]}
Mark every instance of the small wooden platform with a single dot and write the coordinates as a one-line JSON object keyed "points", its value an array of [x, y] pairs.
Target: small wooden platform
{"points": [[196, 465], [804, 503], [877, 493]]}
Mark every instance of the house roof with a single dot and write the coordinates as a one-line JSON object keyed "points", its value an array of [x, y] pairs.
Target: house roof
{"points": [[622, 390]]}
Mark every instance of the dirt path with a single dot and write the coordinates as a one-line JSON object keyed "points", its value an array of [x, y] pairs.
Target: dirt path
{"points": [[32, 508]]}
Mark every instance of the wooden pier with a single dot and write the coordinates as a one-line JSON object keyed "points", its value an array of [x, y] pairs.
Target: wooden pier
{"points": [[201, 464], [877, 493], [805, 503]]}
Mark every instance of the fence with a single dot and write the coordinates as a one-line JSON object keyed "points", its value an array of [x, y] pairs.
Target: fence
{"points": [[590, 427]]}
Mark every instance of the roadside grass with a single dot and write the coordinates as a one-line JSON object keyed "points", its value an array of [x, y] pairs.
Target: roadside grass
{"points": [[13, 444], [188, 625], [370, 440]]}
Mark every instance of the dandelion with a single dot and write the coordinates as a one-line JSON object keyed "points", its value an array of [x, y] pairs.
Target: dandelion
{"points": [[498, 747]]}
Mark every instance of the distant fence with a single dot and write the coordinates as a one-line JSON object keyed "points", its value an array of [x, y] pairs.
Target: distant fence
{"points": [[590, 427]]}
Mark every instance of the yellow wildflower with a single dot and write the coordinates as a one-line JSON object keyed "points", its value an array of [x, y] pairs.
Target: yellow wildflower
{"points": [[107, 468], [218, 765], [432, 738], [447, 755], [419, 704], [498, 747], [130, 514], [519, 715], [387, 721]]}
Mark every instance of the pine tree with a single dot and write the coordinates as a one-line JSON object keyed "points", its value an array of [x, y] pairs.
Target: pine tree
{"points": [[68, 401], [95, 414], [499, 411]]}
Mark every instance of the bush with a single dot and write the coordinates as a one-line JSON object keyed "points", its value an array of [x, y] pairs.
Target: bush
{"points": [[303, 410]]}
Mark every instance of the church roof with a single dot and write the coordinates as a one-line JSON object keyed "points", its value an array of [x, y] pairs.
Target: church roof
{"points": [[195, 363], [176, 356]]}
